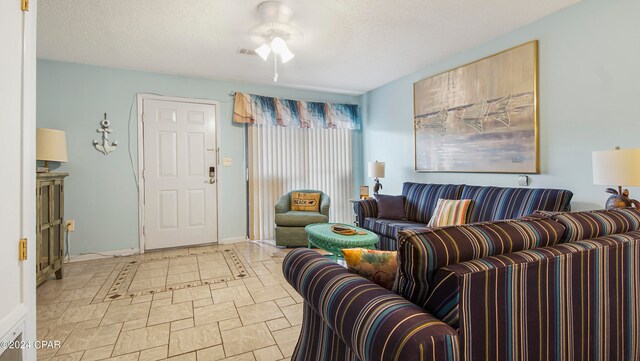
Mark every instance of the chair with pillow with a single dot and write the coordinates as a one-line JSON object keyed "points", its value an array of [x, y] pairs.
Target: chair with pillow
{"points": [[298, 209]]}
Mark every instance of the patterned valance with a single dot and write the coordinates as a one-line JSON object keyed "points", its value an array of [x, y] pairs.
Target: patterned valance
{"points": [[260, 110]]}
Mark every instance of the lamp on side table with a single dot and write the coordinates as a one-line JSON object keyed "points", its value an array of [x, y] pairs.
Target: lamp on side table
{"points": [[51, 145], [376, 170], [618, 167]]}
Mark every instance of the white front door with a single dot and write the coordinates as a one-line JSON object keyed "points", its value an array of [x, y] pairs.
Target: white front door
{"points": [[17, 185], [180, 189]]}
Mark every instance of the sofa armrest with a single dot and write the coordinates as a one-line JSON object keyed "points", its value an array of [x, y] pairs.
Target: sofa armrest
{"points": [[366, 208], [564, 290], [284, 204], [325, 203], [373, 322]]}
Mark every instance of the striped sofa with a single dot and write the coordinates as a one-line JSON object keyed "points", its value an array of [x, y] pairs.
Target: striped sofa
{"points": [[489, 204], [552, 286]]}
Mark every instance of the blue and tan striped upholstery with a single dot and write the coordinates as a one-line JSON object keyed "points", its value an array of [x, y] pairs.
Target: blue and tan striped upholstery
{"points": [[567, 301], [584, 225], [489, 204], [387, 243], [444, 298], [349, 318], [389, 228], [573, 301], [422, 252], [495, 203], [421, 198], [365, 208]]}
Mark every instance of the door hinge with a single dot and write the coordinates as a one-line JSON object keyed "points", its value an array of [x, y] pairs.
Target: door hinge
{"points": [[23, 249], [25, 5], [144, 230]]}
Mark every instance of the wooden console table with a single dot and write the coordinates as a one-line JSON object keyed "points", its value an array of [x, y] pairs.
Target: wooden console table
{"points": [[50, 226]]}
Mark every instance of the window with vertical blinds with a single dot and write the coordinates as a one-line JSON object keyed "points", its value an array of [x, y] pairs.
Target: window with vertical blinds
{"points": [[282, 159], [296, 144]]}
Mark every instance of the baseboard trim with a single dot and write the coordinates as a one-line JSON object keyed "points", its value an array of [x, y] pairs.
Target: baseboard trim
{"points": [[87, 256], [233, 240]]}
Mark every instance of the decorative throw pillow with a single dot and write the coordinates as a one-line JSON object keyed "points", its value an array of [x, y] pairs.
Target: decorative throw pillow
{"points": [[391, 207], [377, 266], [309, 202], [450, 212]]}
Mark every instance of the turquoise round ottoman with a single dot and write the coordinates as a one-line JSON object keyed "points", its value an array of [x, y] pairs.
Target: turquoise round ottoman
{"points": [[321, 236]]}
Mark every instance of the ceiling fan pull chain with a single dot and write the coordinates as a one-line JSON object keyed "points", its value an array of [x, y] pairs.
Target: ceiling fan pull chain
{"points": [[275, 68]]}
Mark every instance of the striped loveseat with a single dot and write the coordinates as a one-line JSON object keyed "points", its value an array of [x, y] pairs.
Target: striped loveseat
{"points": [[489, 204], [553, 286]]}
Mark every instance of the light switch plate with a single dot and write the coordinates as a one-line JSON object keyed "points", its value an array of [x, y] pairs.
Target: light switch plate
{"points": [[523, 180], [227, 162]]}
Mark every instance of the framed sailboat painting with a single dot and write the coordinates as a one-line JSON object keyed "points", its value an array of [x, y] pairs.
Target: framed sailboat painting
{"points": [[481, 117]]}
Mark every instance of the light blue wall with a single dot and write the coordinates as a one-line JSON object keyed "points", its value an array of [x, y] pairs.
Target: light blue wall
{"points": [[101, 193], [589, 74]]}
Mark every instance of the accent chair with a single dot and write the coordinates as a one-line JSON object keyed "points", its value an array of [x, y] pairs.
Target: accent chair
{"points": [[290, 224]]}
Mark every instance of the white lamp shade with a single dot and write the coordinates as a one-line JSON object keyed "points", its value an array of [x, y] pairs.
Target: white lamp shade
{"points": [[376, 169], [263, 51], [619, 167], [278, 45], [51, 145], [286, 56]]}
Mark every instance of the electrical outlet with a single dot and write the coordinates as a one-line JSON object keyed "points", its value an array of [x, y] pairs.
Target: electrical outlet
{"points": [[523, 180], [71, 225]]}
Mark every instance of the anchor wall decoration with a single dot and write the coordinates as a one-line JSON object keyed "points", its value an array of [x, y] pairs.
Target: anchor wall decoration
{"points": [[105, 148]]}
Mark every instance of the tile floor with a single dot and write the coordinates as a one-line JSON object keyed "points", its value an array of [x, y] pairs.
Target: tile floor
{"points": [[228, 302]]}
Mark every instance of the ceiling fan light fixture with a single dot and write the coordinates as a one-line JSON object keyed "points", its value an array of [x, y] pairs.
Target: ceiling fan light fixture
{"points": [[263, 51], [278, 45], [274, 32], [286, 56]]}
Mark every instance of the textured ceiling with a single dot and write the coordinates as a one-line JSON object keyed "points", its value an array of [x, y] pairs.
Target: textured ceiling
{"points": [[349, 46]]}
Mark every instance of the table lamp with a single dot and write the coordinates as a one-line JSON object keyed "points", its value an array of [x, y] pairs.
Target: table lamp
{"points": [[51, 145], [376, 170], [618, 167]]}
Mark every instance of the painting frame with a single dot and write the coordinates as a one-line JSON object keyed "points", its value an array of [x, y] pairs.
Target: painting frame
{"points": [[527, 120]]}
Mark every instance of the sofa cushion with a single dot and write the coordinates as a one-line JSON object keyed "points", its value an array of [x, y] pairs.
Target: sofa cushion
{"points": [[495, 203], [592, 224], [444, 299], [391, 207], [299, 218], [421, 199], [422, 252], [389, 227]]}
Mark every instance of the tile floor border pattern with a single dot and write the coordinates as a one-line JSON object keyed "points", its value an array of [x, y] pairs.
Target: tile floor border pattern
{"points": [[120, 287], [256, 317]]}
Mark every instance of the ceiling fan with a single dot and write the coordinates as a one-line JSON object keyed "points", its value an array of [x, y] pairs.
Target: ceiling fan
{"points": [[274, 32]]}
